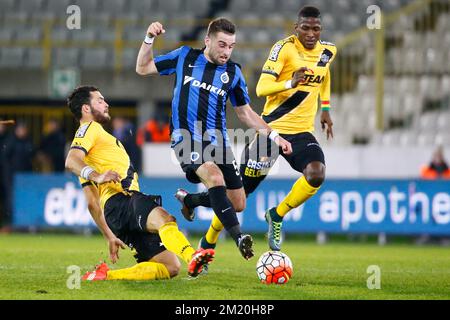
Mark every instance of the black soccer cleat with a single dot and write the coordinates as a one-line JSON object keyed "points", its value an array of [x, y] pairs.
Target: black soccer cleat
{"points": [[245, 243], [187, 212]]}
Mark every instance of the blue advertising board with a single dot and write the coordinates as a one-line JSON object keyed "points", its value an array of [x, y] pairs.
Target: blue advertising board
{"points": [[340, 206]]}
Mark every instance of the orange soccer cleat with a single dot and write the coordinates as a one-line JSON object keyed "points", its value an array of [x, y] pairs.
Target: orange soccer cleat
{"points": [[200, 258], [99, 273]]}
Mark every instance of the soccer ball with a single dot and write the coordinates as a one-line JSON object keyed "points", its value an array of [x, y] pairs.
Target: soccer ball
{"points": [[274, 267]]}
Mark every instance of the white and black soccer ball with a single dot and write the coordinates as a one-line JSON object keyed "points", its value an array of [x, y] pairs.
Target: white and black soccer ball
{"points": [[274, 267]]}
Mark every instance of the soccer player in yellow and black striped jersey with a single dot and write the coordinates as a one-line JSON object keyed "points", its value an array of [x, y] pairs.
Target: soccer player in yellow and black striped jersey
{"points": [[294, 78], [123, 214]]}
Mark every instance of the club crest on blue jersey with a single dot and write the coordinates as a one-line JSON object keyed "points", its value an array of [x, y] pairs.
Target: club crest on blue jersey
{"points": [[224, 77]]}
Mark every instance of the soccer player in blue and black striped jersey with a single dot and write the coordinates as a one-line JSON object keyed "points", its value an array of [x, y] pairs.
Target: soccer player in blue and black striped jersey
{"points": [[204, 80]]}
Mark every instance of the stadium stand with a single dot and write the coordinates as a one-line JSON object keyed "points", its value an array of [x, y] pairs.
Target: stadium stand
{"points": [[416, 54]]}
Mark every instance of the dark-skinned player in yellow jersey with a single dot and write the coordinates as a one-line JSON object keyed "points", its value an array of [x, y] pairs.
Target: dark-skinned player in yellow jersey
{"points": [[295, 77]]}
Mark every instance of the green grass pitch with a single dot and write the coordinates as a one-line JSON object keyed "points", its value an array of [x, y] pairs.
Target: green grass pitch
{"points": [[35, 267]]}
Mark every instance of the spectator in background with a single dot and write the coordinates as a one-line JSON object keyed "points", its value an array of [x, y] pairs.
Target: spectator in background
{"points": [[124, 131], [17, 155], [50, 153], [3, 135], [155, 130], [437, 168]]}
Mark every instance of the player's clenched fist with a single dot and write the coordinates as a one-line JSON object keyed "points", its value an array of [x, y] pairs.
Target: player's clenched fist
{"points": [[155, 29], [299, 76]]}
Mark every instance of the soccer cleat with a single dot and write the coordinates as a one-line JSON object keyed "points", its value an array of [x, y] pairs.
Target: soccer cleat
{"points": [[188, 213], [99, 273], [203, 244], [245, 243], [274, 234], [200, 258]]}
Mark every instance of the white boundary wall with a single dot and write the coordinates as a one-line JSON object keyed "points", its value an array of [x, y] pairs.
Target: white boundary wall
{"points": [[342, 162]]}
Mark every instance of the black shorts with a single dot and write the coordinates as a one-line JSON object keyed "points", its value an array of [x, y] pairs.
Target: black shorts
{"points": [[192, 155], [127, 217], [260, 155]]}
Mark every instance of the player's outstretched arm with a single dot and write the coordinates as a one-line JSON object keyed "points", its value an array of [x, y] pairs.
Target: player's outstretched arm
{"points": [[93, 202], [268, 84], [248, 116], [145, 64]]}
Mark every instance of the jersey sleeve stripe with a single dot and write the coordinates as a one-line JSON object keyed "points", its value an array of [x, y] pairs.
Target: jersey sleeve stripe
{"points": [[273, 73], [80, 148], [85, 184], [325, 102]]}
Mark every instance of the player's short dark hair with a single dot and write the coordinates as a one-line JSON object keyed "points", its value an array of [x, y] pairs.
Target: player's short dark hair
{"points": [[309, 12], [221, 25], [79, 96]]}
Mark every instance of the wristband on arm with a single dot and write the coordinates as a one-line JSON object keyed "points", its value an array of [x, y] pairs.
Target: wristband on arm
{"points": [[272, 135], [149, 39], [85, 172]]}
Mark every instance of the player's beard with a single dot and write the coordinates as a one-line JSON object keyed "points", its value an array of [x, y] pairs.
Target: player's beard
{"points": [[100, 117]]}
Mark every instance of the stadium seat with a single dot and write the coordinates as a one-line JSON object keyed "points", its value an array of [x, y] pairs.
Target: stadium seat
{"points": [[426, 139], [408, 138], [34, 58], [129, 58], [29, 35], [16, 18], [144, 7], [390, 5], [429, 86], [104, 35], [428, 121], [172, 36], [87, 6], [443, 120], [199, 7], [134, 34], [445, 84], [264, 7], [11, 57], [113, 6], [31, 6], [238, 7], [65, 57], [8, 5], [60, 34], [407, 84], [443, 23], [6, 35], [169, 6], [40, 17], [104, 19], [58, 6], [85, 35], [442, 138], [391, 138], [97, 58]]}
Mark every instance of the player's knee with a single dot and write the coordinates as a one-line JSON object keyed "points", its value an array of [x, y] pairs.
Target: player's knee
{"points": [[212, 175], [169, 218], [315, 175], [239, 205], [173, 268], [157, 218], [315, 178], [215, 179]]}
